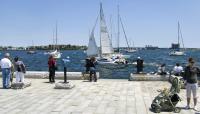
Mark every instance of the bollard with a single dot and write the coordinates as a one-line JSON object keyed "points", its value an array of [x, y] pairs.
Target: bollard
{"points": [[65, 61], [65, 75]]}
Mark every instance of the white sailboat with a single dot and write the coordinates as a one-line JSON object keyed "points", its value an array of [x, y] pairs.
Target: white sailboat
{"points": [[33, 50], [131, 50], [55, 53], [118, 36], [106, 53], [178, 51]]}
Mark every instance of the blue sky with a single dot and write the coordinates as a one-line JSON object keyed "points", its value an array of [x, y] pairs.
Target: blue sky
{"points": [[147, 22]]}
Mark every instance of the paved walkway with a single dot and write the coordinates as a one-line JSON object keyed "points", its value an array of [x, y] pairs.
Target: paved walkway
{"points": [[102, 97]]}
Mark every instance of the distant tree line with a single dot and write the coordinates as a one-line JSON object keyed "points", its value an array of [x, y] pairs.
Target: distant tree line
{"points": [[46, 47]]}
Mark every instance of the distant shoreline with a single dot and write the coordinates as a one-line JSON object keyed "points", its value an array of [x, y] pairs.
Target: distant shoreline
{"points": [[78, 48]]}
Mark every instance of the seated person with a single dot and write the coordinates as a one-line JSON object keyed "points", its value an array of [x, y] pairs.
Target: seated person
{"points": [[161, 70], [177, 70]]}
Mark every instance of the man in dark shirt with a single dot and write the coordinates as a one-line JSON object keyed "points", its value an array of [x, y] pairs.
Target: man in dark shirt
{"points": [[192, 82], [139, 65], [93, 68]]}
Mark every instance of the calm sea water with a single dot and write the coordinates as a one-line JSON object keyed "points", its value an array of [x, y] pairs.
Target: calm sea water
{"points": [[152, 58]]}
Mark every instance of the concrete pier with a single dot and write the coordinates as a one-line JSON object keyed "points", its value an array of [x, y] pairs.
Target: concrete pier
{"points": [[106, 96], [59, 75], [148, 77]]}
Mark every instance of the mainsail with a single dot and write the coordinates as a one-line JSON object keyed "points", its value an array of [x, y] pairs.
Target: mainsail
{"points": [[105, 41], [92, 46]]}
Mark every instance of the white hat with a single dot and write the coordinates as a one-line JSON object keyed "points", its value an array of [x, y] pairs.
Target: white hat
{"points": [[138, 57], [7, 54]]}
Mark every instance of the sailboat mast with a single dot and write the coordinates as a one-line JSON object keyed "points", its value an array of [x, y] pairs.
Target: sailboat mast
{"points": [[118, 33], [53, 45], [100, 29], [178, 33], [33, 45], [181, 36], [56, 36], [124, 33], [111, 28]]}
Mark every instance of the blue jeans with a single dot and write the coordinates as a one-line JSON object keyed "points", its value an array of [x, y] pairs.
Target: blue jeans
{"points": [[6, 72]]}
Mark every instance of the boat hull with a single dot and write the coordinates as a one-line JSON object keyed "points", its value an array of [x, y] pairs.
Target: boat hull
{"points": [[56, 54], [177, 53]]}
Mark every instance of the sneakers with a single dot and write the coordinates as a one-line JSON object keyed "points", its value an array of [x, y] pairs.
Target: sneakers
{"points": [[187, 107], [196, 109]]}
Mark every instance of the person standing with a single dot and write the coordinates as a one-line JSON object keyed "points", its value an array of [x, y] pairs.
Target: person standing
{"points": [[139, 65], [190, 77], [93, 68], [52, 68], [20, 70], [87, 65], [6, 70], [12, 69]]}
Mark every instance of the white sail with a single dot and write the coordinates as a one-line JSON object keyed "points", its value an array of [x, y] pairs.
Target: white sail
{"points": [[105, 41], [92, 46]]}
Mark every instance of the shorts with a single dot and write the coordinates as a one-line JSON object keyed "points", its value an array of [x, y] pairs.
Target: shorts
{"points": [[191, 88], [92, 70]]}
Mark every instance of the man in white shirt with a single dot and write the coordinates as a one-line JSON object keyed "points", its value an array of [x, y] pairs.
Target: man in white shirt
{"points": [[177, 69], [5, 64]]}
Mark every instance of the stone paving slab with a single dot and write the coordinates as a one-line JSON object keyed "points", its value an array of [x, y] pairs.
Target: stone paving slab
{"points": [[58, 75], [148, 77], [107, 96]]}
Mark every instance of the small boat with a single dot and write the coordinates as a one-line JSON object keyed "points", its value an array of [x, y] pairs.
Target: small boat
{"points": [[177, 53], [176, 47], [113, 61], [130, 50], [31, 52]]}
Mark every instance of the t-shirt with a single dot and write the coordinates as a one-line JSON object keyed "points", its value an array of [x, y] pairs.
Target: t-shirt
{"points": [[51, 63], [5, 63], [178, 69], [20, 67], [191, 74]]}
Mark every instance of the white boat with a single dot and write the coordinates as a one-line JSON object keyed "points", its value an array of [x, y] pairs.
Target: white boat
{"points": [[130, 50], [55, 53], [106, 53], [33, 50], [178, 51]]}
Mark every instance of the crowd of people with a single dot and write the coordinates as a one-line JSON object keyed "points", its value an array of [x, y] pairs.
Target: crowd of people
{"points": [[189, 73]]}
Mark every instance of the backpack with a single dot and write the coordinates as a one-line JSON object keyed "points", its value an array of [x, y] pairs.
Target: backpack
{"points": [[21, 68]]}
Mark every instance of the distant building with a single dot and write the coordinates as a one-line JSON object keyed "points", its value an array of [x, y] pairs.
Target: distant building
{"points": [[150, 47]]}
